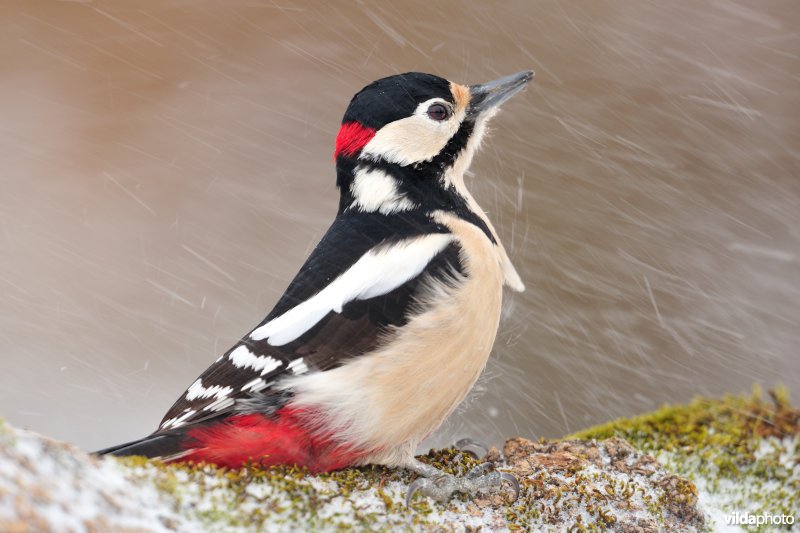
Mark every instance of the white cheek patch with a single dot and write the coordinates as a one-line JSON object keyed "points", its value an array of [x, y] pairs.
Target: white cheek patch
{"points": [[412, 139], [377, 272], [374, 190]]}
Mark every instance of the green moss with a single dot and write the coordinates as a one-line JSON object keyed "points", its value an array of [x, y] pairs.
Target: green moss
{"points": [[735, 423], [710, 441], [744, 448], [277, 495]]}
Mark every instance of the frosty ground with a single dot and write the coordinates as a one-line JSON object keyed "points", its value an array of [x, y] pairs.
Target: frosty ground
{"points": [[681, 468]]}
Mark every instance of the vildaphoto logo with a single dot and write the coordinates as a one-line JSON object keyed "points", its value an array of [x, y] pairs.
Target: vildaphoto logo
{"points": [[746, 519]]}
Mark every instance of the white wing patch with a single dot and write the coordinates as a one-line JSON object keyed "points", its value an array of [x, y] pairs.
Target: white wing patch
{"points": [[377, 272], [242, 357]]}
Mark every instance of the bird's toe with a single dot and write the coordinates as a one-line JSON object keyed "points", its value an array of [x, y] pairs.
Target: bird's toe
{"points": [[478, 481]]}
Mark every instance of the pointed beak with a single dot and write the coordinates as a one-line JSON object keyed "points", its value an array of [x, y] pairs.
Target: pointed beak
{"points": [[491, 94]]}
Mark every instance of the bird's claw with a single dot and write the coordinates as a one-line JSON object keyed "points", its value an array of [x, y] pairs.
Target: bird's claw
{"points": [[441, 487], [513, 481], [472, 447], [416, 485]]}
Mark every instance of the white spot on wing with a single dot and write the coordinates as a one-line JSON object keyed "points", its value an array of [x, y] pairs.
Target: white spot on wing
{"points": [[298, 366], [197, 391], [220, 404], [256, 385], [378, 272], [375, 190], [178, 420], [242, 357]]}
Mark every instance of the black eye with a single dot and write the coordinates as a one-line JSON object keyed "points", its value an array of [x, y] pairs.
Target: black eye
{"points": [[438, 112]]}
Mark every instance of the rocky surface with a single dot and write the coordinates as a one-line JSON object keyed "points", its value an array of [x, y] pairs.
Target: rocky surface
{"points": [[660, 472]]}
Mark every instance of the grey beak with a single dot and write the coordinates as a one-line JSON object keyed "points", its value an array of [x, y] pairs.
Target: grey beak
{"points": [[494, 93]]}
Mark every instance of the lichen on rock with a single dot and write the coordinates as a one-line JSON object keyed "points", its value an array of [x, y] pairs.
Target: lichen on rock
{"points": [[742, 453], [678, 469], [588, 485]]}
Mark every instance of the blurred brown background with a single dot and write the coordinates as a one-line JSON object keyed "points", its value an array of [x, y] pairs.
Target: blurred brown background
{"points": [[167, 165]]}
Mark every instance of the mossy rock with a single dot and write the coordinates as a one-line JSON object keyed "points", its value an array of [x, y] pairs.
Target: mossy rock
{"points": [[680, 468], [742, 453]]}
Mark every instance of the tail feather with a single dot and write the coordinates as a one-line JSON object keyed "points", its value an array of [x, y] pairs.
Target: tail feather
{"points": [[283, 438], [166, 446]]}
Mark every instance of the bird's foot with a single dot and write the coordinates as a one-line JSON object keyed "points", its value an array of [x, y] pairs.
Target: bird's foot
{"points": [[440, 486], [471, 446]]}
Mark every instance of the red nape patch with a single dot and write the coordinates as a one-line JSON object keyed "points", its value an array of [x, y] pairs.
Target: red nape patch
{"points": [[280, 439], [352, 137]]}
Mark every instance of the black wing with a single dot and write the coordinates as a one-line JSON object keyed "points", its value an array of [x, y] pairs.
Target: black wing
{"points": [[337, 337]]}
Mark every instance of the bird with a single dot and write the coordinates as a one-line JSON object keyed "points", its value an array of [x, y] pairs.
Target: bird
{"points": [[391, 319]]}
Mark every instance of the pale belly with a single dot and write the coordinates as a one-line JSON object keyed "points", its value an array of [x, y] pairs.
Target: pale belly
{"points": [[388, 402]]}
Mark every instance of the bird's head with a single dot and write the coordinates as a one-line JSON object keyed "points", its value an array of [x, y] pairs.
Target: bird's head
{"points": [[406, 140]]}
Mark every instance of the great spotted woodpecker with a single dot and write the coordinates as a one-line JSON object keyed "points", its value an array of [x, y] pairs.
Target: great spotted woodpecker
{"points": [[391, 319]]}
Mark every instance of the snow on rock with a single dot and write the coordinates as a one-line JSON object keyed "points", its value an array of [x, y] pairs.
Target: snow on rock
{"points": [[47, 485], [682, 468], [741, 454], [605, 485]]}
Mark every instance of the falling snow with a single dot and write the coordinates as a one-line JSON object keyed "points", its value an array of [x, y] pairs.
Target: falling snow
{"points": [[167, 168]]}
